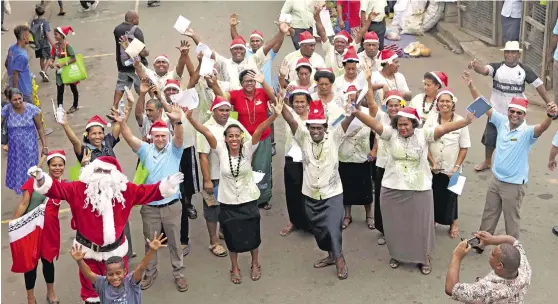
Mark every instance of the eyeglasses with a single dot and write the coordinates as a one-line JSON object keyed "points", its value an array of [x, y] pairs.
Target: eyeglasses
{"points": [[249, 81], [515, 112]]}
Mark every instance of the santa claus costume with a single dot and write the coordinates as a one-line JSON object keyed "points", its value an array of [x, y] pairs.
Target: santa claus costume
{"points": [[101, 202]]}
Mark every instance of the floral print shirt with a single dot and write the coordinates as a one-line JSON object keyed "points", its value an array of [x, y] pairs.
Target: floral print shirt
{"points": [[494, 289]]}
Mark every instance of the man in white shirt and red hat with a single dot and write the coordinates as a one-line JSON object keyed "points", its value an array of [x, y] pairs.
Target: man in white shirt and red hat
{"points": [[307, 47], [369, 57], [101, 202], [209, 163]]}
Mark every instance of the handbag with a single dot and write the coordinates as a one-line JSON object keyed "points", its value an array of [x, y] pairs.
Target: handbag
{"points": [[74, 72], [140, 175], [74, 171]]}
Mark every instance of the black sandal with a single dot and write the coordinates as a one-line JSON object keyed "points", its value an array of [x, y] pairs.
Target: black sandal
{"points": [[393, 263], [425, 269]]}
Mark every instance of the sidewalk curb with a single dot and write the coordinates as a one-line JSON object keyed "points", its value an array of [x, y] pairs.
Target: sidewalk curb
{"points": [[462, 43]]}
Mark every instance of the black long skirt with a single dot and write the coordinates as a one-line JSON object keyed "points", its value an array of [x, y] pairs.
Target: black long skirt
{"points": [[378, 222], [445, 201], [357, 185], [292, 174], [241, 226]]}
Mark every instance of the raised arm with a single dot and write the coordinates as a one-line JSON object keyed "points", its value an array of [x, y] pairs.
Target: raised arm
{"points": [[154, 245], [444, 129], [277, 108], [129, 106], [202, 129], [543, 126], [368, 120], [195, 76], [140, 105], [474, 92], [286, 112], [372, 105], [78, 256], [184, 59], [190, 33], [233, 21], [277, 39], [319, 26], [478, 67], [175, 116], [133, 142], [76, 143]]}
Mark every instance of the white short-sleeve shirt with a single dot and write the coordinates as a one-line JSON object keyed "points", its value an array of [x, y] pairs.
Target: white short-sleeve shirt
{"points": [[381, 154], [446, 149]]}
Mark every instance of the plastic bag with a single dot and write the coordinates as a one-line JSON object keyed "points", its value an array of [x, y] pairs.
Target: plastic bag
{"points": [[74, 171], [74, 72], [433, 14], [412, 18], [141, 174]]}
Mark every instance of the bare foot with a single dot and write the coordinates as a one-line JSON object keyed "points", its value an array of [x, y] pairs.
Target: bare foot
{"points": [[454, 231], [236, 278], [5, 148], [287, 230], [482, 166], [256, 272]]}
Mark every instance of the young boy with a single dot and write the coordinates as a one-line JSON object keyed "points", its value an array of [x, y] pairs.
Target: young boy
{"points": [[43, 41], [117, 286]]}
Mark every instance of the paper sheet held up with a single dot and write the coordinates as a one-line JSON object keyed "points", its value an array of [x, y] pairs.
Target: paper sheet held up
{"points": [[187, 98], [134, 48], [182, 24], [206, 66], [203, 48]]}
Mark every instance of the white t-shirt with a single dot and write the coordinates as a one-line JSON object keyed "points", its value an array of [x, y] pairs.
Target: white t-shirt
{"points": [[240, 189], [291, 59], [381, 154], [230, 70], [446, 149], [160, 81], [397, 83]]}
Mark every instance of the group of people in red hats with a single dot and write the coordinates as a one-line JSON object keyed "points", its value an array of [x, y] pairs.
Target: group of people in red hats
{"points": [[355, 136]]}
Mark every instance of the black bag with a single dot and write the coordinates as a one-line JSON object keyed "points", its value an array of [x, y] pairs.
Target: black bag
{"points": [[130, 35], [39, 38]]}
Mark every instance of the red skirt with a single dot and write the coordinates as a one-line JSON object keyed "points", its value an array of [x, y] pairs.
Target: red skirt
{"points": [[50, 242]]}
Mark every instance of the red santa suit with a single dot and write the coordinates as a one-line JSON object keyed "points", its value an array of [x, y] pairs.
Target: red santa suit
{"points": [[102, 235]]}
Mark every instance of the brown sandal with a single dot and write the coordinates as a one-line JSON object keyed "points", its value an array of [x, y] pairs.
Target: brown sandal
{"points": [[72, 110], [370, 223], [258, 271], [236, 277], [345, 226]]}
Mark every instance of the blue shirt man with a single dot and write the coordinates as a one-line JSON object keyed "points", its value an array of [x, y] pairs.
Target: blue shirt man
{"points": [[267, 66], [18, 61]]}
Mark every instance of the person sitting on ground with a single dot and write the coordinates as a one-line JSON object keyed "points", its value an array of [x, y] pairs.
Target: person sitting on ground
{"points": [[506, 283], [118, 286]]}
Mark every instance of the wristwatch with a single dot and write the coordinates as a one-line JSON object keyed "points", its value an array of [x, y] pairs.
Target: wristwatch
{"points": [[178, 123]]}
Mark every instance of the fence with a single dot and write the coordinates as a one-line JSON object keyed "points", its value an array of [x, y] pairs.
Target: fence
{"points": [[481, 19]]}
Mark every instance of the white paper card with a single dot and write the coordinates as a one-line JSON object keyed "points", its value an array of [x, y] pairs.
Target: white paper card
{"points": [[296, 153], [182, 24], [257, 176], [458, 187], [326, 21], [134, 48], [207, 66], [187, 98], [203, 48]]}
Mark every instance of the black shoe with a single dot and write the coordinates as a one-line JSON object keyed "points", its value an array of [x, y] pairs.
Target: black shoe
{"points": [[192, 212], [555, 230]]}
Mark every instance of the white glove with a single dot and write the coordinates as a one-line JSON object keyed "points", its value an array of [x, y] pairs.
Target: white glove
{"points": [[175, 179], [169, 185], [36, 172]]}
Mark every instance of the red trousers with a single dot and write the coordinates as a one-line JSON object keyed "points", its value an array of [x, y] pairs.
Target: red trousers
{"points": [[88, 293]]}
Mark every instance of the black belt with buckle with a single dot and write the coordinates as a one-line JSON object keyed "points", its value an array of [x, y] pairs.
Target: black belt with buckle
{"points": [[165, 205], [96, 247]]}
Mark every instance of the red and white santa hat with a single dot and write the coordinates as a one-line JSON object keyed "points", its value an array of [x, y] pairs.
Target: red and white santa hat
{"points": [[371, 37], [297, 90], [519, 103], [329, 70], [306, 37], [65, 30], [303, 62], [350, 54], [106, 163], [387, 56], [257, 34], [344, 35], [441, 77], [410, 113], [238, 42], [172, 83], [159, 126], [316, 115], [56, 153], [447, 91], [219, 101], [351, 90], [97, 121], [395, 94], [161, 57]]}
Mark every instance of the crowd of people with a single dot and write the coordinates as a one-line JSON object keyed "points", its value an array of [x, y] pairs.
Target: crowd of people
{"points": [[355, 135]]}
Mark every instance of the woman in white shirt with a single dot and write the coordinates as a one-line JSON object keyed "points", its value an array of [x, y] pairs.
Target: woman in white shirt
{"points": [[425, 102], [389, 76], [332, 99], [406, 195], [303, 71], [350, 77], [446, 158], [238, 192], [292, 172]]}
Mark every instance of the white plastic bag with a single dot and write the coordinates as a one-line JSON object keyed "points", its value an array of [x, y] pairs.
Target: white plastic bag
{"points": [[398, 11], [7, 7], [412, 18], [434, 12]]}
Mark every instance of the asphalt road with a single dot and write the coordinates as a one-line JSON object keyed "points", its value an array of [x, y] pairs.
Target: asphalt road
{"points": [[288, 275]]}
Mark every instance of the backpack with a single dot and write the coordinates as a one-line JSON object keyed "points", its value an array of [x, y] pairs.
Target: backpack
{"points": [[130, 35], [39, 37]]}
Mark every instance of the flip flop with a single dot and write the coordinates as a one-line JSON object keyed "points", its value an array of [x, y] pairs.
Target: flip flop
{"points": [[345, 274], [371, 223], [218, 250], [393, 263], [286, 231], [479, 168], [324, 263], [236, 278], [258, 273], [425, 269], [345, 226]]}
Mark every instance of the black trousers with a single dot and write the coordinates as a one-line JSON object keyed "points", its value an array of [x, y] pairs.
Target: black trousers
{"points": [[378, 222], [60, 94], [31, 276], [380, 29]]}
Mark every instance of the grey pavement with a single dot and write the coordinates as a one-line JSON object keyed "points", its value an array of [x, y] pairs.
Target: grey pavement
{"points": [[288, 275]]}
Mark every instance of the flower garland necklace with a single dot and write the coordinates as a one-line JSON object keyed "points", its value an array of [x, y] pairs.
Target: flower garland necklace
{"points": [[234, 172]]}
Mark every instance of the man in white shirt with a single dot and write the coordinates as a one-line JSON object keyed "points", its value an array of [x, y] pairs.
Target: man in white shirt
{"points": [[378, 23], [302, 18], [147, 113], [209, 163], [369, 56], [512, 11], [307, 47]]}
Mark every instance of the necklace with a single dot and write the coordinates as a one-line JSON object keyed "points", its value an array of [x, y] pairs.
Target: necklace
{"points": [[234, 172], [314, 150], [424, 104], [338, 62], [251, 119], [450, 120], [388, 81]]}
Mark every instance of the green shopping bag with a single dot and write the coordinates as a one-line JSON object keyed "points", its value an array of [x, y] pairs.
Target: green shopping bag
{"points": [[74, 171], [141, 174], [233, 115], [74, 72]]}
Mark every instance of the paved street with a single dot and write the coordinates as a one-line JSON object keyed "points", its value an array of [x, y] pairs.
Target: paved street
{"points": [[288, 275]]}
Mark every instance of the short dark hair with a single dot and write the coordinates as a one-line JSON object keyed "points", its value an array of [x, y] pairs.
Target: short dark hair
{"points": [[19, 30], [395, 119], [291, 98], [232, 126], [304, 67], [244, 73], [39, 10], [13, 91], [429, 75], [510, 257], [115, 260], [324, 74], [349, 61], [158, 104]]}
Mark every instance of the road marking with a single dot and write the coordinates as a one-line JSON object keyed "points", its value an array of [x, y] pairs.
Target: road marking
{"points": [[98, 55], [101, 19]]}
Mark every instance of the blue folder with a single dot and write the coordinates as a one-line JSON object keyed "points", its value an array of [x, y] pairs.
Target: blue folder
{"points": [[479, 106]]}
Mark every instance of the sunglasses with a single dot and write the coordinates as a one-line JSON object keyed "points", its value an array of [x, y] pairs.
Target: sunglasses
{"points": [[516, 112]]}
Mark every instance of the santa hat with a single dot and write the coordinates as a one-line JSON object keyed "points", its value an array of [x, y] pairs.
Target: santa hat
{"points": [[441, 77], [410, 113], [172, 83], [316, 115], [106, 163], [56, 153], [65, 30], [96, 121], [303, 62], [351, 90], [161, 57], [447, 91], [297, 90], [519, 103], [328, 70], [394, 94], [159, 126], [343, 35], [257, 34], [238, 42], [218, 102], [350, 54], [371, 37], [306, 37], [387, 56]]}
